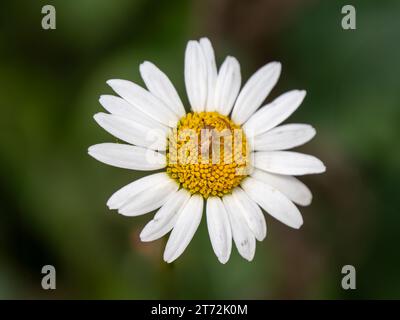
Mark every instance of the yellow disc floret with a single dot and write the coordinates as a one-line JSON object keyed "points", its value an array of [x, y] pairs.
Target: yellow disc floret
{"points": [[207, 154]]}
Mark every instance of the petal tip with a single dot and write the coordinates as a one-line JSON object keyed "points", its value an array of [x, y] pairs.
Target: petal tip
{"points": [[91, 153], [223, 260], [98, 116], [205, 39], [262, 237], [277, 65], [91, 149], [115, 82], [306, 202], [110, 204], [302, 93], [145, 64], [298, 226], [191, 44], [144, 237], [323, 168], [167, 258]]}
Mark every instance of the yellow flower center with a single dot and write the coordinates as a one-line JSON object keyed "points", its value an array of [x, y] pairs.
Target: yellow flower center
{"points": [[207, 154]]}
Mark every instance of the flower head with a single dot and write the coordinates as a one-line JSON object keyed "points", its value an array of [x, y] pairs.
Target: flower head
{"points": [[228, 154]]}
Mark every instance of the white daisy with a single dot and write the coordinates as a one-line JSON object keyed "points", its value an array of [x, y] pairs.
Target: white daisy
{"points": [[251, 170]]}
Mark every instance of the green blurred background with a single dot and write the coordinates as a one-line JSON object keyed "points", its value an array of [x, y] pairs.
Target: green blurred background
{"points": [[53, 194]]}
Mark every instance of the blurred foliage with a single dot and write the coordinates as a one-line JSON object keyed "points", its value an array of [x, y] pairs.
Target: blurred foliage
{"points": [[53, 194]]}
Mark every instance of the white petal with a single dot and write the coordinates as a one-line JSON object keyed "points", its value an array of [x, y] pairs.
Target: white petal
{"points": [[242, 235], [161, 87], [211, 66], [273, 202], [120, 107], [290, 186], [123, 195], [132, 132], [165, 217], [144, 101], [127, 156], [149, 199], [185, 227], [274, 113], [227, 86], [255, 91], [288, 162], [196, 76], [284, 137], [219, 229], [251, 212]]}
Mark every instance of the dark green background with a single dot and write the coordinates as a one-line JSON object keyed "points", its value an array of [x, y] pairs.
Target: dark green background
{"points": [[53, 194]]}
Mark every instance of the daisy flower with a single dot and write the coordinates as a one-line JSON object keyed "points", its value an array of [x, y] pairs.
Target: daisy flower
{"points": [[227, 155]]}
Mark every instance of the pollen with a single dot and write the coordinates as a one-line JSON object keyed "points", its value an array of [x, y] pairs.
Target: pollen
{"points": [[207, 154]]}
